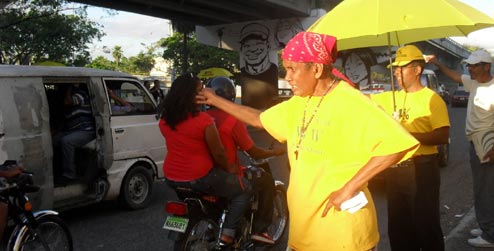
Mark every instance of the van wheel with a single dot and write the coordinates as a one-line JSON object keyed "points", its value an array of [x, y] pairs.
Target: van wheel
{"points": [[137, 188]]}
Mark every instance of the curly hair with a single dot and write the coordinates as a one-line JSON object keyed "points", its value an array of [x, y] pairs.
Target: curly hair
{"points": [[180, 102]]}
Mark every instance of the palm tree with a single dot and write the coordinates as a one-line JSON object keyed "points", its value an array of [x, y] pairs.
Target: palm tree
{"points": [[117, 53]]}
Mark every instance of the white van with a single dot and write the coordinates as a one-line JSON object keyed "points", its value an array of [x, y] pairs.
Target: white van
{"points": [[122, 162]]}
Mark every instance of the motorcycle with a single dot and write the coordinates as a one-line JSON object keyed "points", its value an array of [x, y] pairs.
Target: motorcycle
{"points": [[195, 221], [33, 230]]}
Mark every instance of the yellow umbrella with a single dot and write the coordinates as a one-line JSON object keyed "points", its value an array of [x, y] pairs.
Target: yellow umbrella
{"points": [[214, 72], [369, 23]]}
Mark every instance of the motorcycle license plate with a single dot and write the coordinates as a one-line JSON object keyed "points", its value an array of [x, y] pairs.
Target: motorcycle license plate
{"points": [[175, 223]]}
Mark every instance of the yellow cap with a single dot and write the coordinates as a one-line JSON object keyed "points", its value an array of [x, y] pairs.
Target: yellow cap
{"points": [[406, 55]]}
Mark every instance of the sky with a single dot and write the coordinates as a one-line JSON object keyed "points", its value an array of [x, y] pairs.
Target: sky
{"points": [[482, 38], [134, 32]]}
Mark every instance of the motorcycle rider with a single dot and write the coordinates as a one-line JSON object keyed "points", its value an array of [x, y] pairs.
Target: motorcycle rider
{"points": [[4, 207], [196, 158], [234, 137]]}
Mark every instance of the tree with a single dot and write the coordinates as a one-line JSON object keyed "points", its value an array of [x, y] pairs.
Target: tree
{"points": [[200, 56], [187, 30], [117, 54], [142, 64], [101, 63], [33, 31]]}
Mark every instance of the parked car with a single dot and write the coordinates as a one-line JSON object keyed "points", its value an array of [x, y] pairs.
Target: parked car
{"points": [[459, 98], [444, 93]]}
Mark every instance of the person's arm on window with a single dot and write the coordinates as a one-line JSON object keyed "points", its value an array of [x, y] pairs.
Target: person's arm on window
{"points": [[117, 99]]}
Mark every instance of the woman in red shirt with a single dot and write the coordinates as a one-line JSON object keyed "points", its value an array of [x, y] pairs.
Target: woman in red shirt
{"points": [[196, 158]]}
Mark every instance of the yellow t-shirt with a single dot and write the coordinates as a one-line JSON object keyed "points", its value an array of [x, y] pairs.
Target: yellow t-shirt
{"points": [[420, 111], [346, 131]]}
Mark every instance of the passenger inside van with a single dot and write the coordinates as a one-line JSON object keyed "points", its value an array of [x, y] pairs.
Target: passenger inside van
{"points": [[118, 104], [78, 129]]}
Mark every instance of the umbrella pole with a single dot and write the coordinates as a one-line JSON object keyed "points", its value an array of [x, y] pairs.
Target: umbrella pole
{"points": [[395, 115]]}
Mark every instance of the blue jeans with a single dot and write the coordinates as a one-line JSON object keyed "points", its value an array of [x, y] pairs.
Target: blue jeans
{"points": [[223, 184], [68, 141], [483, 194]]}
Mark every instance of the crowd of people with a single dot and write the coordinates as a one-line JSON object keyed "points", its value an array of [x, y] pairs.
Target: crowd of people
{"points": [[332, 158]]}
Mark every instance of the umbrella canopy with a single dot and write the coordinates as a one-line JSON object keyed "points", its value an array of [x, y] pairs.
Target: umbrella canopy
{"points": [[369, 23], [214, 72]]}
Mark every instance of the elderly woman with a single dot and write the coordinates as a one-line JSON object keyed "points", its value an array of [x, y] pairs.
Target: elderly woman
{"points": [[332, 157]]}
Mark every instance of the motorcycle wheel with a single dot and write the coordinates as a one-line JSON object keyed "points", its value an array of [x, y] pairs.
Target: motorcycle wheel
{"points": [[200, 237], [280, 214], [50, 234]]}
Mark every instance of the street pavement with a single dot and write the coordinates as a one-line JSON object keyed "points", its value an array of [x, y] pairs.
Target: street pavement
{"points": [[455, 236]]}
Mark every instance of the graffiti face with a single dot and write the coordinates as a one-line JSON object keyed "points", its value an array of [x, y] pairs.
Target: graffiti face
{"points": [[254, 51]]}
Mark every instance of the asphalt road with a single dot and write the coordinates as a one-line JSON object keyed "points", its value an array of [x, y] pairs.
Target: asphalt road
{"points": [[106, 226]]}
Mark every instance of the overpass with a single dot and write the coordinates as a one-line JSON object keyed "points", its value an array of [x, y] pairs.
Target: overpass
{"points": [[207, 13], [448, 52], [211, 12]]}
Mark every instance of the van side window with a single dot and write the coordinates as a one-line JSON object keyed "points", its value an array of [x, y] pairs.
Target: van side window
{"points": [[128, 98]]}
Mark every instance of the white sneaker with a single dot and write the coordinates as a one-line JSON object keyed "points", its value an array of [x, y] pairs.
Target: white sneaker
{"points": [[479, 242], [476, 232]]}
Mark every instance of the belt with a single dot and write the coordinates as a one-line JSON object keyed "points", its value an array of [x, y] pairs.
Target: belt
{"points": [[424, 158], [407, 162]]}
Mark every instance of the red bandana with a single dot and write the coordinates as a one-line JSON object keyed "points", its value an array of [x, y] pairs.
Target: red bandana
{"points": [[310, 47]]}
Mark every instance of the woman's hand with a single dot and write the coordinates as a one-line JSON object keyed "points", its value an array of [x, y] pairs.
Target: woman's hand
{"points": [[336, 198]]}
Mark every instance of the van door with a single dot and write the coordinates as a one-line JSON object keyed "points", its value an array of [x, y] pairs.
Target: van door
{"points": [[134, 126]]}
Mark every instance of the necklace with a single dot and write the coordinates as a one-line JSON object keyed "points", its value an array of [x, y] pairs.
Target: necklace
{"points": [[304, 127]]}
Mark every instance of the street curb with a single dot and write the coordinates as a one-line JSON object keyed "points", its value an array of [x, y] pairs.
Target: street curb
{"points": [[464, 222]]}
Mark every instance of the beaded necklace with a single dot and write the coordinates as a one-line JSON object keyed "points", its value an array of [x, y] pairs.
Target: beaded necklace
{"points": [[304, 127]]}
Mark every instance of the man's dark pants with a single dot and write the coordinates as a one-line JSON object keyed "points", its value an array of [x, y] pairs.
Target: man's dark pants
{"points": [[413, 205], [483, 192]]}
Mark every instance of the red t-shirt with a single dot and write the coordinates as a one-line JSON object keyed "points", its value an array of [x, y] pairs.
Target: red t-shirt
{"points": [[234, 139], [188, 156]]}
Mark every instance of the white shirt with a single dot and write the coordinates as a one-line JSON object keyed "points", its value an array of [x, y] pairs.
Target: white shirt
{"points": [[480, 111], [480, 115]]}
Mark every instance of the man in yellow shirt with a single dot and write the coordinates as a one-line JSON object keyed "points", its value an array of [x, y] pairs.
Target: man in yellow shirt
{"points": [[413, 187], [332, 155]]}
